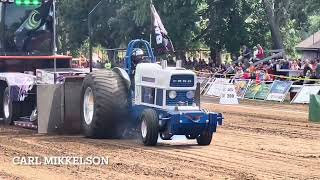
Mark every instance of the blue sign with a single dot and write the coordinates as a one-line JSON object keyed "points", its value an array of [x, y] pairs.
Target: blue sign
{"points": [[279, 90]]}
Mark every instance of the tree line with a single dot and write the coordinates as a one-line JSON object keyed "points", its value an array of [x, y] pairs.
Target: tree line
{"points": [[215, 24]]}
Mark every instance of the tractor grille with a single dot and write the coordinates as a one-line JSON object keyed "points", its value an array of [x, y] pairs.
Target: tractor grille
{"points": [[182, 81], [180, 99]]}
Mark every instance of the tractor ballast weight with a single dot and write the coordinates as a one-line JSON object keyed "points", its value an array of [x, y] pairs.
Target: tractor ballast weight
{"points": [[155, 99]]}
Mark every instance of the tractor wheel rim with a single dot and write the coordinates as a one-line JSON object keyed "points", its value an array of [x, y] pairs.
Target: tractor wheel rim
{"points": [[144, 129], [6, 106], [88, 106]]}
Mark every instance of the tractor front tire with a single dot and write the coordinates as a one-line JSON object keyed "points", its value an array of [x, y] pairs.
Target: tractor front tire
{"points": [[149, 127], [11, 109], [204, 139], [104, 105]]}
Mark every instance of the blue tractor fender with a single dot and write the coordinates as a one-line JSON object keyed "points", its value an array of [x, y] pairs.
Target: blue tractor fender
{"points": [[123, 74], [20, 84]]}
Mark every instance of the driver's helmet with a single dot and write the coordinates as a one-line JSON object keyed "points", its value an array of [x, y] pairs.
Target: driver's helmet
{"points": [[137, 55]]}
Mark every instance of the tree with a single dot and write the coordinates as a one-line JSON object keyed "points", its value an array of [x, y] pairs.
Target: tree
{"points": [[274, 24], [119, 21], [226, 28], [288, 20], [216, 14], [217, 24]]}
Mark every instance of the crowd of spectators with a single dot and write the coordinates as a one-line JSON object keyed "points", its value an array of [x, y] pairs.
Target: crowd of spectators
{"points": [[246, 68]]}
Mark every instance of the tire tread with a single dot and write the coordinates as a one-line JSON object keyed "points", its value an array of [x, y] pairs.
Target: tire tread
{"points": [[109, 115]]}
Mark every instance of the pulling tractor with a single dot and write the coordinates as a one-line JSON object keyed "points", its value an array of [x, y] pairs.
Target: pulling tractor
{"points": [[152, 98]]}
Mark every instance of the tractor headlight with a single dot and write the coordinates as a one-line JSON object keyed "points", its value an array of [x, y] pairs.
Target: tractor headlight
{"points": [[190, 94], [172, 94]]}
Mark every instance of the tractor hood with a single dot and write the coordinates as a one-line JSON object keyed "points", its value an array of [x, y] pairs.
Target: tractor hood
{"points": [[153, 75]]}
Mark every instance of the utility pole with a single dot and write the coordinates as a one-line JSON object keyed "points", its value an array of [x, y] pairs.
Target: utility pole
{"points": [[151, 3], [90, 43], [91, 32], [54, 40]]}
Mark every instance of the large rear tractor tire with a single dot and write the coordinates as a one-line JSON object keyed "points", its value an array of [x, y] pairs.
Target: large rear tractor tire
{"points": [[204, 139], [11, 109], [149, 127], [104, 105]]}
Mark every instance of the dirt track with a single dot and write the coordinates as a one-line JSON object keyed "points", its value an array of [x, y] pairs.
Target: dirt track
{"points": [[255, 143]]}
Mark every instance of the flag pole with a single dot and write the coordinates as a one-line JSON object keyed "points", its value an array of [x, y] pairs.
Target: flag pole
{"points": [[151, 3], [54, 41]]}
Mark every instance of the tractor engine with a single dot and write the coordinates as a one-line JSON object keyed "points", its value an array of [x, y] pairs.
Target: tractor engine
{"points": [[170, 88]]}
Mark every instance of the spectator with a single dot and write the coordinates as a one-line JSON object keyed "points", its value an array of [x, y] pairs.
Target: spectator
{"points": [[83, 62], [285, 64], [239, 73], [230, 70], [299, 63], [276, 67], [307, 69], [260, 72], [246, 56], [195, 64], [252, 70], [260, 55], [313, 65], [295, 65], [267, 76], [303, 63], [318, 69], [246, 75], [255, 53], [307, 76], [269, 67]]}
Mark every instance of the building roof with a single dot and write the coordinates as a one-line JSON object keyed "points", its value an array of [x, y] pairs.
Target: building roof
{"points": [[311, 43]]}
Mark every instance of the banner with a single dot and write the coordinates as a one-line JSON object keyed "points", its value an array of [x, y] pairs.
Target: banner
{"points": [[279, 90], [163, 42], [229, 95], [303, 96], [202, 80], [252, 90], [264, 91], [216, 87], [205, 84], [241, 86]]}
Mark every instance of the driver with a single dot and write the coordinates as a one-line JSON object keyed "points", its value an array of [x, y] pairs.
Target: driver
{"points": [[137, 57]]}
